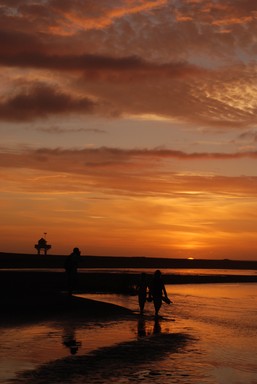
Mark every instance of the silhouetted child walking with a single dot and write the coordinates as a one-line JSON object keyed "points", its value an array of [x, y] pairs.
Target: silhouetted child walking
{"points": [[158, 291], [142, 291]]}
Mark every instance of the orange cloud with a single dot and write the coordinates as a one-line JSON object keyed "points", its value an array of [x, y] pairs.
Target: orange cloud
{"points": [[67, 18], [218, 13], [74, 21], [132, 171]]}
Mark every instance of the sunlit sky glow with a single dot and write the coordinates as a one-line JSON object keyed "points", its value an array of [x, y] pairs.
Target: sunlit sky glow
{"points": [[129, 127]]}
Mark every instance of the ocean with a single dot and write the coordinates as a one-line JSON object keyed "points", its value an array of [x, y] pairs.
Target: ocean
{"points": [[208, 335]]}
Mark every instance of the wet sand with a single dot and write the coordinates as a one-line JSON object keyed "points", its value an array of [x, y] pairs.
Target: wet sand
{"points": [[32, 297], [29, 297], [122, 361], [35, 297]]}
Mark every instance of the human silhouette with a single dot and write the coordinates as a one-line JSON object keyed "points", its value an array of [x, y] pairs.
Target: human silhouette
{"points": [[158, 291], [142, 291], [71, 268]]}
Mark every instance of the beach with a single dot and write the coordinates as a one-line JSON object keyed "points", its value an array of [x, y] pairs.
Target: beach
{"points": [[205, 336], [96, 335]]}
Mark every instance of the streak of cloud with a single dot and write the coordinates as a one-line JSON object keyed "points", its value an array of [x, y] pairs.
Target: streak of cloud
{"points": [[38, 100], [60, 130], [72, 159]]}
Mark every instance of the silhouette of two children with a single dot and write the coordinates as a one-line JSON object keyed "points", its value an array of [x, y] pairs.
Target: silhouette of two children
{"points": [[155, 291]]}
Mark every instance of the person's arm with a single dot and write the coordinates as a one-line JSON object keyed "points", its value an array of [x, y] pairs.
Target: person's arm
{"points": [[164, 290]]}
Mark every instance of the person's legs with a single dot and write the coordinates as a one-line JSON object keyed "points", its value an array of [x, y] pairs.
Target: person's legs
{"points": [[157, 305], [141, 302]]}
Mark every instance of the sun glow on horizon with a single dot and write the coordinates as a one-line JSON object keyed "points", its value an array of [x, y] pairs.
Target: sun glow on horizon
{"points": [[129, 146]]}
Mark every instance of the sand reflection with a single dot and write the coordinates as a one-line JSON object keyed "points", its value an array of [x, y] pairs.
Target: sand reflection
{"points": [[118, 361], [69, 339]]}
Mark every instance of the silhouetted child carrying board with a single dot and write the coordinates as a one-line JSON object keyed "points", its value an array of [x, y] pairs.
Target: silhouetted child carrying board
{"points": [[158, 292]]}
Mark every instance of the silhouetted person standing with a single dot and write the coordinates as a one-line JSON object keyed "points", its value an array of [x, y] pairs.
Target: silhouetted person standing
{"points": [[157, 291], [142, 290], [71, 267]]}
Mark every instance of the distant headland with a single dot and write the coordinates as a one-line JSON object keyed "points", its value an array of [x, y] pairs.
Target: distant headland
{"points": [[21, 260]]}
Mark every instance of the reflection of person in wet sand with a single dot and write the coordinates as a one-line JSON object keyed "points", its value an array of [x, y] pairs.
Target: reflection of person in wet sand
{"points": [[157, 291], [142, 290], [69, 340], [71, 268], [145, 328], [157, 326], [141, 331]]}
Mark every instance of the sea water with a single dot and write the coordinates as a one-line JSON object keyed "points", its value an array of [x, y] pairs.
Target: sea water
{"points": [[207, 336]]}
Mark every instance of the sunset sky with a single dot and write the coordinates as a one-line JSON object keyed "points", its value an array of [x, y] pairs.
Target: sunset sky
{"points": [[129, 127]]}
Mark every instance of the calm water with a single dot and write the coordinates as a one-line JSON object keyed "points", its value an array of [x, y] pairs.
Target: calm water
{"points": [[208, 336], [179, 271]]}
